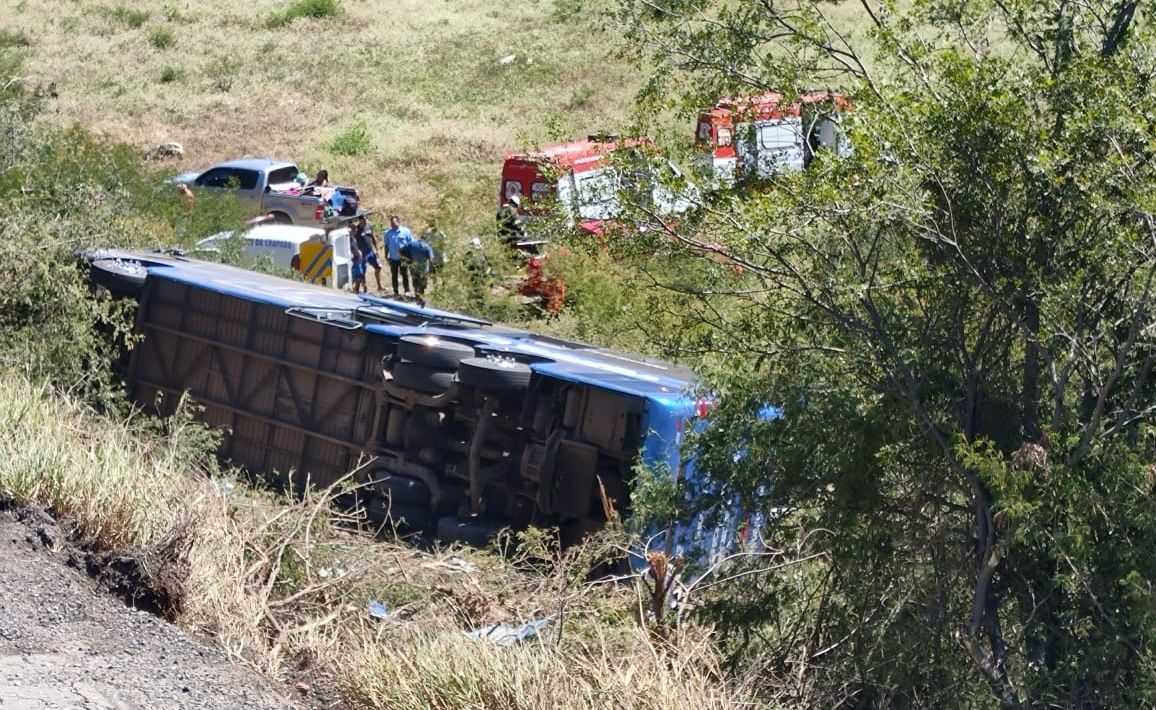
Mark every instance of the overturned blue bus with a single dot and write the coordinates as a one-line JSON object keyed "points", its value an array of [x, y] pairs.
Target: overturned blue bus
{"points": [[457, 427]]}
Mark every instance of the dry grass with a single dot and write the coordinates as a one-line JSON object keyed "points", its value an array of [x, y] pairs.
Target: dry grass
{"points": [[281, 585], [423, 78], [435, 668]]}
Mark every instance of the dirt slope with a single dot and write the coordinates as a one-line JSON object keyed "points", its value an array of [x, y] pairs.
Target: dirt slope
{"points": [[65, 644]]}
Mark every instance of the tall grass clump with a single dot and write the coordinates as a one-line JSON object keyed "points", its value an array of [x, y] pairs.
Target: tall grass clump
{"points": [[172, 73], [352, 141], [132, 17], [312, 9], [162, 38]]}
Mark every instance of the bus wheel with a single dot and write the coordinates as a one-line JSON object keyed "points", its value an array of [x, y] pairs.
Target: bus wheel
{"points": [[421, 378], [494, 375], [433, 352]]}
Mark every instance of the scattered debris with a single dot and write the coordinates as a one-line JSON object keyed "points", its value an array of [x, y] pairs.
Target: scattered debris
{"points": [[335, 572], [507, 60], [500, 635], [458, 564], [377, 610]]}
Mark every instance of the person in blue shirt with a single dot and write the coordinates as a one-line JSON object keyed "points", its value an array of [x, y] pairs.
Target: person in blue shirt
{"points": [[419, 257], [395, 238]]}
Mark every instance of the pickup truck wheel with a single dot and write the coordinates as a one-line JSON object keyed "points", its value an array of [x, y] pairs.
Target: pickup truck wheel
{"points": [[119, 277], [432, 351], [421, 378], [494, 375], [280, 218]]}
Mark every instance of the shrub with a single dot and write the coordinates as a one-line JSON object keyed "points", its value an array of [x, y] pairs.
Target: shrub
{"points": [[354, 140], [172, 73], [314, 9], [129, 16], [221, 71], [162, 38]]}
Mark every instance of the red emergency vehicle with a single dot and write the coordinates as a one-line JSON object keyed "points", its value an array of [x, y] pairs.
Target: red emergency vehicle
{"points": [[577, 174], [764, 135]]}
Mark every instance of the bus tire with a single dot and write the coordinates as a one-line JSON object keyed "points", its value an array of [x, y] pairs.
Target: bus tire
{"points": [[421, 378], [494, 375], [403, 517], [433, 352], [119, 277], [403, 490]]}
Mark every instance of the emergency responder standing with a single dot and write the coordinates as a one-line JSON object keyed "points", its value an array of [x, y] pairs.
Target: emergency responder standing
{"points": [[511, 226], [419, 258]]}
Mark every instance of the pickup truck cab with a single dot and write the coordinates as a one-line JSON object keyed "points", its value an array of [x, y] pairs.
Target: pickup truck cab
{"points": [[271, 186]]}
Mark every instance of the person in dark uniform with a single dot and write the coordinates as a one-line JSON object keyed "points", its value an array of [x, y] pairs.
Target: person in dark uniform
{"points": [[511, 226]]}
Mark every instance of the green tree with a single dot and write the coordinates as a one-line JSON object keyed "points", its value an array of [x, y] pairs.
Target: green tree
{"points": [[957, 323]]}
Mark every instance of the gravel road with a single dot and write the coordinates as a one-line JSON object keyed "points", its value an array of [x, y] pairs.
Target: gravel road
{"points": [[66, 644]]}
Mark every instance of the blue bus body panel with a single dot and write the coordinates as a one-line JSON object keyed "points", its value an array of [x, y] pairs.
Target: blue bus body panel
{"points": [[666, 391]]}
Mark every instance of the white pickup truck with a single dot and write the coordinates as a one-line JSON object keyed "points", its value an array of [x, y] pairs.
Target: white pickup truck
{"points": [[273, 188]]}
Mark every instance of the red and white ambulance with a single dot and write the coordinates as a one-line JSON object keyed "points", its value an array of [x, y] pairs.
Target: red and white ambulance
{"points": [[769, 134], [584, 177]]}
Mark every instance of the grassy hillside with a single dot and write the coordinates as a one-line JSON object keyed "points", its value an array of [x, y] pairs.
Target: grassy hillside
{"points": [[408, 99]]}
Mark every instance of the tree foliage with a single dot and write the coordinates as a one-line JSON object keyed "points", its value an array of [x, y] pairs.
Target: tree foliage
{"points": [[957, 322], [63, 191]]}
